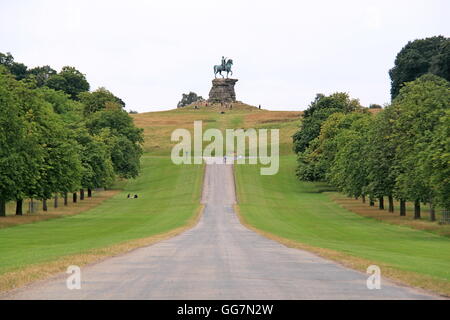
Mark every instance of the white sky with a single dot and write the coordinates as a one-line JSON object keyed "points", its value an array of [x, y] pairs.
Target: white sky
{"points": [[284, 52]]}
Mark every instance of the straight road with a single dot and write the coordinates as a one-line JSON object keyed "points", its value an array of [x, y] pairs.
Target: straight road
{"points": [[217, 259]]}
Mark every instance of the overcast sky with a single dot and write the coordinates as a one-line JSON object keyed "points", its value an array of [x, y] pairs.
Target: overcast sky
{"points": [[284, 52]]}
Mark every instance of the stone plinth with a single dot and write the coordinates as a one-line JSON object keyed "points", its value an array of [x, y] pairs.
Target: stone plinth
{"points": [[222, 91]]}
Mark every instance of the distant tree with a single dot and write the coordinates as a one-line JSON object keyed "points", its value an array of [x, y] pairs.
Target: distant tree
{"points": [[41, 74], [62, 170], [418, 57], [318, 111], [6, 59], [348, 171], [375, 106], [70, 81], [133, 112], [60, 101], [97, 168], [188, 98], [100, 99], [315, 162], [122, 136], [19, 70]]}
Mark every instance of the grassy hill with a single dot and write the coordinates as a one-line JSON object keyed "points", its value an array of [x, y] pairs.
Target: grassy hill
{"points": [[158, 126]]}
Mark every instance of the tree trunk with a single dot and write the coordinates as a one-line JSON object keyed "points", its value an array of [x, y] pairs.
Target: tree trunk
{"points": [[417, 209], [65, 198], [89, 193], [32, 208], [402, 207], [19, 207], [55, 203], [2, 208], [356, 197], [371, 203], [74, 198], [391, 204], [381, 203], [432, 212], [363, 197], [81, 194], [44, 205]]}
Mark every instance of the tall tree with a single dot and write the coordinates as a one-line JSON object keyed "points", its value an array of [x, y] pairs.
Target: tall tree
{"points": [[318, 111], [380, 157], [70, 81], [430, 55], [22, 119], [348, 171], [421, 105], [41, 74], [98, 100], [124, 139]]}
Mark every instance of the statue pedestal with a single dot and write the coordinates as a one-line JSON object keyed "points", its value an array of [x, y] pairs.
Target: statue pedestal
{"points": [[222, 91]]}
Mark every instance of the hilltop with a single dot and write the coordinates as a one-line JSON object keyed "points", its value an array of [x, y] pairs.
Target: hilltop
{"points": [[159, 125]]}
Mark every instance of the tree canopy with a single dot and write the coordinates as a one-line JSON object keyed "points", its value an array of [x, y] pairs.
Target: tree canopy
{"points": [[418, 57]]}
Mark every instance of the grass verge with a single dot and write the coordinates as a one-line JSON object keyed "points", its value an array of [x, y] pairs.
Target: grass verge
{"points": [[168, 200], [35, 272], [299, 215], [52, 213]]}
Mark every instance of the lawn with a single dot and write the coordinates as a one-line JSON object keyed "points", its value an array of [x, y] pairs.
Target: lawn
{"points": [[285, 207], [168, 197]]}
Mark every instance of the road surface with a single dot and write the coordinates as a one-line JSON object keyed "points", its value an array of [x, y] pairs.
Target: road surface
{"points": [[217, 259]]}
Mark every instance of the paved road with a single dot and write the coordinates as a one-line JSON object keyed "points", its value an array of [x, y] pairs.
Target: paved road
{"points": [[217, 259]]}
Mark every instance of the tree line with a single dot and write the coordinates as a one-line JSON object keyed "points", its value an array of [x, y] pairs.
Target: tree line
{"points": [[57, 137], [401, 152]]}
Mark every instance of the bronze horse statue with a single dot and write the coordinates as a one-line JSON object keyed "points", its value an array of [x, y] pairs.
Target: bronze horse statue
{"points": [[227, 67]]}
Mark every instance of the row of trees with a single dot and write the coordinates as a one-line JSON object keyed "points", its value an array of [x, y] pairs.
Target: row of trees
{"points": [[401, 152], [56, 137]]}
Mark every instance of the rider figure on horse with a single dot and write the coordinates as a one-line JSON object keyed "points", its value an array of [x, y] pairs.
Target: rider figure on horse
{"points": [[223, 62]]}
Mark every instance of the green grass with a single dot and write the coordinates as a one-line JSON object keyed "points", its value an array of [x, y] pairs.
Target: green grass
{"points": [[168, 197], [286, 207]]}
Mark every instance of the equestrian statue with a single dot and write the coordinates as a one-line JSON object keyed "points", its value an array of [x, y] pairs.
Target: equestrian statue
{"points": [[224, 66]]}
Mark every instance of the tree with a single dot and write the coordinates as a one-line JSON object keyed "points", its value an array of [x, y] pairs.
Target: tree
{"points": [[100, 99], [41, 74], [61, 170], [61, 102], [188, 98], [97, 169], [435, 160], [22, 120], [314, 163], [422, 106], [430, 55], [123, 137], [318, 111], [19, 70], [380, 157], [70, 81], [348, 171]]}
